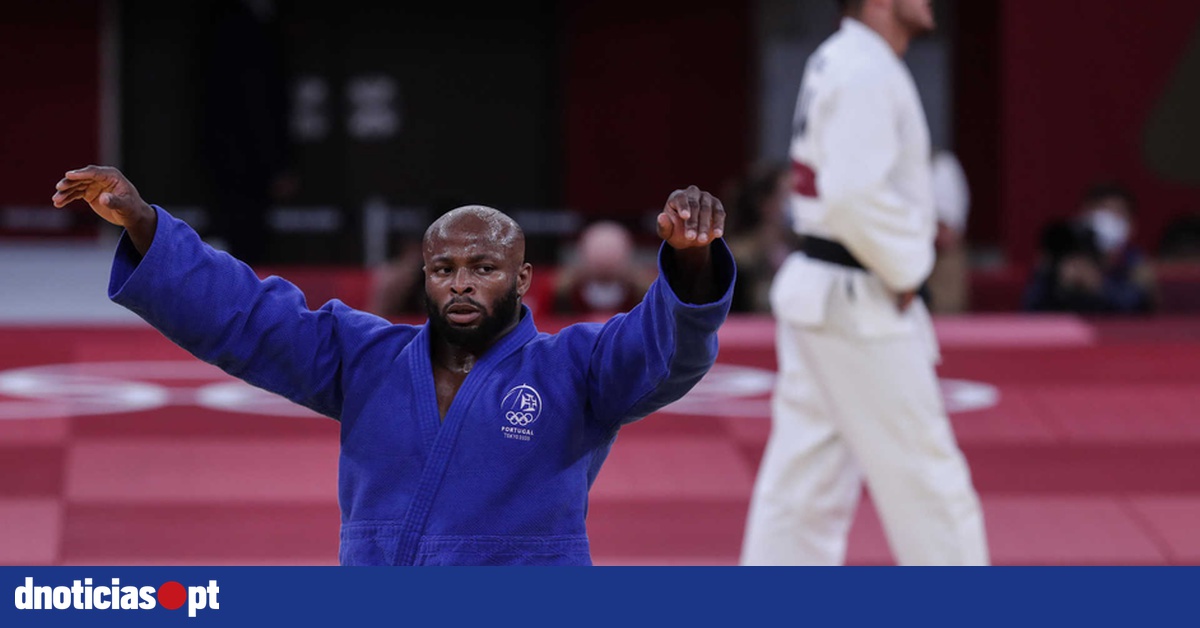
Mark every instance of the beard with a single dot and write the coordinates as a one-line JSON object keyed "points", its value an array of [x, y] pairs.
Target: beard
{"points": [[502, 313]]}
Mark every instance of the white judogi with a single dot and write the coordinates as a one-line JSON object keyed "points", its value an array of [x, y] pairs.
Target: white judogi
{"points": [[857, 393]]}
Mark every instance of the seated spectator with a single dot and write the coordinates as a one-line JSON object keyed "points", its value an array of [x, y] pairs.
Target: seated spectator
{"points": [[758, 232], [398, 287], [1089, 264], [604, 277]]}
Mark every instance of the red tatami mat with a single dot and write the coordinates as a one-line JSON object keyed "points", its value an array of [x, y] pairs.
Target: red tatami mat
{"points": [[32, 530], [118, 448], [211, 472]]}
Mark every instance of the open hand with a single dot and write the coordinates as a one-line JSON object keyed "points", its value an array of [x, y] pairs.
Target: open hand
{"points": [[107, 191], [692, 218]]}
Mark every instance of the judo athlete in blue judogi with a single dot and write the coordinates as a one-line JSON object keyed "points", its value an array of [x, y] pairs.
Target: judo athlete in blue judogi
{"points": [[472, 439]]}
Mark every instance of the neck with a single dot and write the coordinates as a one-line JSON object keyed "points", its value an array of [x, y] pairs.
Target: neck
{"points": [[462, 358], [895, 34], [454, 358]]}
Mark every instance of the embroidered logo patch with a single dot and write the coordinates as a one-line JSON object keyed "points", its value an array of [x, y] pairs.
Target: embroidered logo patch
{"points": [[522, 405]]}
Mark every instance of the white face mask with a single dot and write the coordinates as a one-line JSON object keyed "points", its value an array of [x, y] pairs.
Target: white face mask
{"points": [[604, 295], [1112, 231]]}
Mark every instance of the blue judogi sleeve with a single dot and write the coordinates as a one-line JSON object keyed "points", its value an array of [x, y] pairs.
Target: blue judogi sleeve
{"points": [[260, 331], [655, 353]]}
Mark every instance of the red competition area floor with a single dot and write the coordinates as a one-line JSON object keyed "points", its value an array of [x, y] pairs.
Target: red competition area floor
{"points": [[118, 448]]}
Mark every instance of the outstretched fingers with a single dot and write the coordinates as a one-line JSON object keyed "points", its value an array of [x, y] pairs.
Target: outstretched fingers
{"points": [[90, 173], [64, 197], [65, 184], [69, 189]]}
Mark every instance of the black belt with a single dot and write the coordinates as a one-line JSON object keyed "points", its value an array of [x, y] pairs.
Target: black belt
{"points": [[829, 251]]}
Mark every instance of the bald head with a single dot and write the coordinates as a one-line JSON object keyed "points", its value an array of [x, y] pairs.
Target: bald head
{"points": [[605, 249], [477, 222], [475, 276]]}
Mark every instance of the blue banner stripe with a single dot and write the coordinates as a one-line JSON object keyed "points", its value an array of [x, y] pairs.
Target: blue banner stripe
{"points": [[628, 596]]}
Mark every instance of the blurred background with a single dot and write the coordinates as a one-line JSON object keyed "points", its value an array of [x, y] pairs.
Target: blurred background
{"points": [[317, 140]]}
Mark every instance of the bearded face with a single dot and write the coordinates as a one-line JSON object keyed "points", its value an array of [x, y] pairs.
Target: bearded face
{"points": [[475, 276], [467, 323]]}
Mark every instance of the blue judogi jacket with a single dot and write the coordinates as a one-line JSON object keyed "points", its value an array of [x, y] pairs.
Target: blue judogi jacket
{"points": [[504, 479]]}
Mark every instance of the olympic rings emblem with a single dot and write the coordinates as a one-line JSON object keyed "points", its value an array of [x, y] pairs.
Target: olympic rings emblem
{"points": [[519, 418], [522, 405]]}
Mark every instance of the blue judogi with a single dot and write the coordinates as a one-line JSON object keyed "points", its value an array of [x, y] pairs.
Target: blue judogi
{"points": [[504, 478]]}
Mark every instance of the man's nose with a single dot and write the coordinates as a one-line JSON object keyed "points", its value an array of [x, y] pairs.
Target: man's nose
{"points": [[462, 282]]}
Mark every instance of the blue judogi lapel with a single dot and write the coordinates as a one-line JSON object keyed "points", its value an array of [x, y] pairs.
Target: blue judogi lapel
{"points": [[441, 435]]}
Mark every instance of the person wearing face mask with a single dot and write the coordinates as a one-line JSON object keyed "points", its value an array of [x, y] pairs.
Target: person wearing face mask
{"points": [[760, 235], [1090, 264], [605, 278]]}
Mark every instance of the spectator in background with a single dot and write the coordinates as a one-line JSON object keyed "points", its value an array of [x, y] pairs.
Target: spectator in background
{"points": [[604, 277], [1089, 264], [398, 287], [245, 142], [759, 233], [948, 284]]}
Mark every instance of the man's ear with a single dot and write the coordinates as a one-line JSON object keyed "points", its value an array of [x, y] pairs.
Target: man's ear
{"points": [[524, 278]]}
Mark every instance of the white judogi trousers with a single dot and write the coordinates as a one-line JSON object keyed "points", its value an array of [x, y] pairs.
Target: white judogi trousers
{"points": [[848, 408]]}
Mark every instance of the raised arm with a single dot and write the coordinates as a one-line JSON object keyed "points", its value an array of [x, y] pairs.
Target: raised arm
{"points": [[657, 352], [689, 223], [216, 307]]}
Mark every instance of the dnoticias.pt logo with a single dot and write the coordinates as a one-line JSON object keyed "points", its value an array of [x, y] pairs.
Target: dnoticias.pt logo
{"points": [[84, 595]]}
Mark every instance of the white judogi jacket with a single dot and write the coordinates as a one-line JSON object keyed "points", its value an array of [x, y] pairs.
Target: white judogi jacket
{"points": [[860, 148]]}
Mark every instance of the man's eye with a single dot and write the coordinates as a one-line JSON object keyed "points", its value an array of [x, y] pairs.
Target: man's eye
{"points": [[442, 271], [486, 269]]}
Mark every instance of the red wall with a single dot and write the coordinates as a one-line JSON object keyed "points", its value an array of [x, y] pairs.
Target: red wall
{"points": [[1077, 82], [976, 81], [656, 98], [49, 113]]}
